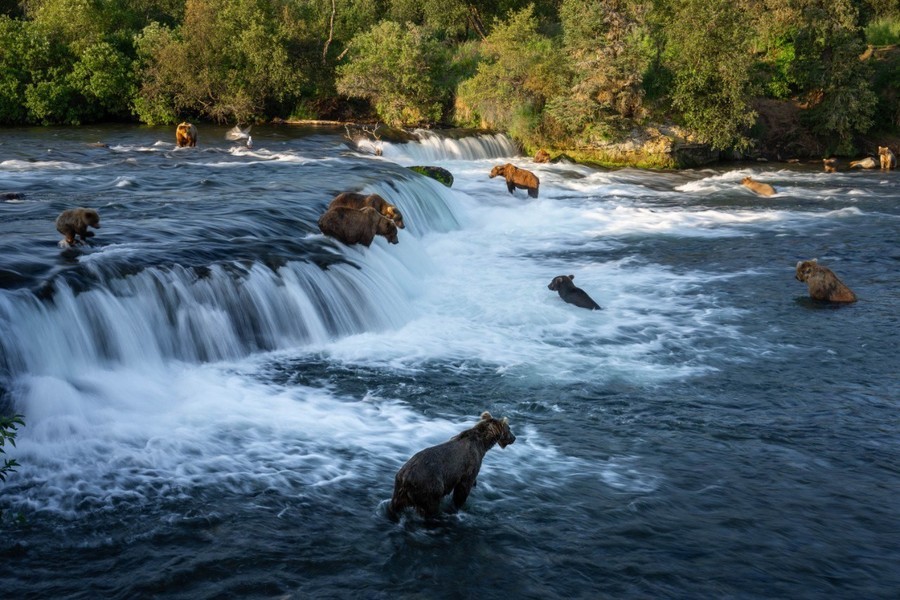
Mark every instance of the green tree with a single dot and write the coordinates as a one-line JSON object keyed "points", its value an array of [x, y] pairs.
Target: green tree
{"points": [[708, 52], [396, 69], [607, 47], [230, 60], [518, 72]]}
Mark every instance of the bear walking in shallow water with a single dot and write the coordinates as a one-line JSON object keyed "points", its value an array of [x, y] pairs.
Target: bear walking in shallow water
{"points": [[453, 466], [572, 294], [517, 178]]}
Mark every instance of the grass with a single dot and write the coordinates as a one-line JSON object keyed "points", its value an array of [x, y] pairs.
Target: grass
{"points": [[884, 31]]}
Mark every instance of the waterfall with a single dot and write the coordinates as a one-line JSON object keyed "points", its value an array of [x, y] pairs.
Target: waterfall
{"points": [[226, 310], [430, 147]]}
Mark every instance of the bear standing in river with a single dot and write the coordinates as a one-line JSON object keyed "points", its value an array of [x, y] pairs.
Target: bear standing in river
{"points": [[75, 222], [186, 135], [517, 178], [357, 226], [823, 284], [572, 294], [453, 466]]}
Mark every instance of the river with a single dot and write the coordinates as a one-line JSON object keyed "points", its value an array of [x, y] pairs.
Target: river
{"points": [[217, 397]]}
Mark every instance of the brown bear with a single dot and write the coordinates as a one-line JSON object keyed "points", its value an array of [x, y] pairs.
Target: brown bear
{"points": [[542, 156], [453, 466], [185, 135], [763, 189], [864, 163], [888, 160], [357, 225], [572, 294], [517, 178], [75, 222], [830, 165], [354, 200], [823, 284]]}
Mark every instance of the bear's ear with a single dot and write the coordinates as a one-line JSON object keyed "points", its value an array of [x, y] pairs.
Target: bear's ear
{"points": [[486, 416], [571, 277], [504, 420]]}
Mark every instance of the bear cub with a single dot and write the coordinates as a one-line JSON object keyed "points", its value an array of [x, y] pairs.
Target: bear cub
{"points": [[453, 466], [75, 222], [572, 294]]}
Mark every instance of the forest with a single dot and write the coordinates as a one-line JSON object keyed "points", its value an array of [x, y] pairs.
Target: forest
{"points": [[550, 73]]}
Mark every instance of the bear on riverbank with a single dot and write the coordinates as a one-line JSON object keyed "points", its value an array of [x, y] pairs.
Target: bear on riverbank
{"points": [[864, 163], [517, 178], [572, 294], [357, 226], [75, 222], [823, 284], [887, 158], [185, 135], [453, 466], [354, 200], [763, 189]]}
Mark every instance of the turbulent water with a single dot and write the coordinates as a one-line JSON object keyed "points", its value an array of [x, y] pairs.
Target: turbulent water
{"points": [[217, 396]]}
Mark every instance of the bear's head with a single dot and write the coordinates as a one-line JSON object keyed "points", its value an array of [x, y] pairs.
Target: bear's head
{"points": [[746, 180], [387, 228], [499, 170], [91, 218], [806, 268], [392, 213], [561, 282], [495, 430], [885, 150]]}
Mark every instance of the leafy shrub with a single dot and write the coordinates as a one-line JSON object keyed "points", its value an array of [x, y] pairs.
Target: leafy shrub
{"points": [[396, 69], [8, 429]]}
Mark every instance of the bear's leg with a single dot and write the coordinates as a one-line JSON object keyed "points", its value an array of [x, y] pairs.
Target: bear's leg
{"points": [[429, 507], [533, 192], [461, 493], [510, 186]]}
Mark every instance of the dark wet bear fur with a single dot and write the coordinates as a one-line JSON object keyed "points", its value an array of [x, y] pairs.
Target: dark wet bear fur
{"points": [[572, 294], [75, 221], [823, 284], [357, 226], [453, 466], [354, 200], [186, 135], [517, 178]]}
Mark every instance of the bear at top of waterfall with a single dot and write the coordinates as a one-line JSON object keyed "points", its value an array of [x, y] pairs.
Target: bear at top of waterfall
{"points": [[823, 284], [357, 225], [831, 165], [517, 178], [887, 158], [542, 156], [763, 189], [186, 135], [75, 222], [355, 200], [572, 294], [453, 466]]}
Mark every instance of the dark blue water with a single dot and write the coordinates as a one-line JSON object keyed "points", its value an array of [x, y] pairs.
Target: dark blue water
{"points": [[217, 396]]}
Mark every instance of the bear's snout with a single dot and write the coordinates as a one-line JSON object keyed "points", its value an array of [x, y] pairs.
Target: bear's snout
{"points": [[507, 440]]}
